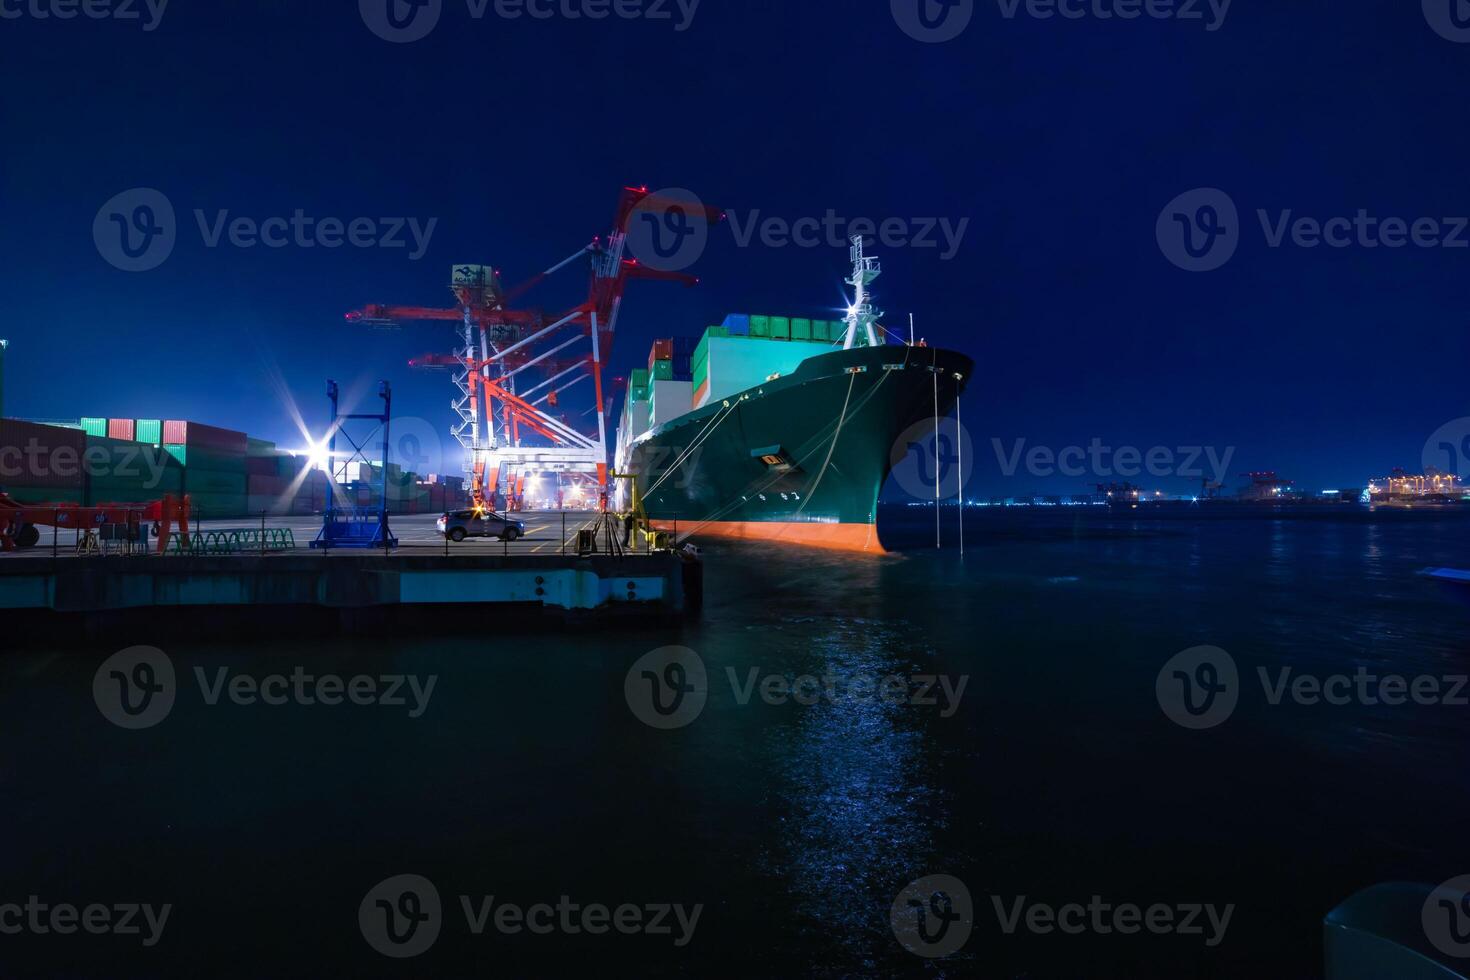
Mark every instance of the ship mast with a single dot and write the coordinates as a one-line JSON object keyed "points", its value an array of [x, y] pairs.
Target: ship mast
{"points": [[860, 315]]}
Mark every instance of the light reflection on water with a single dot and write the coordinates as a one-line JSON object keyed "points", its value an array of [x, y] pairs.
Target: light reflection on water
{"points": [[859, 790]]}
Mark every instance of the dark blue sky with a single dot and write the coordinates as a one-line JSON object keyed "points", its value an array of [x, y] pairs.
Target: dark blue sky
{"points": [[1059, 140]]}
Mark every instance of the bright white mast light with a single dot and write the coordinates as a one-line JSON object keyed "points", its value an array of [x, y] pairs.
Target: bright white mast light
{"points": [[860, 315]]}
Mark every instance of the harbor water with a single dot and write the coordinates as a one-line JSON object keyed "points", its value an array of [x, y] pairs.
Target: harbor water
{"points": [[1030, 757]]}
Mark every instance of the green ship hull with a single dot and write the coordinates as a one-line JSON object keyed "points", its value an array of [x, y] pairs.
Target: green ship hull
{"points": [[800, 459]]}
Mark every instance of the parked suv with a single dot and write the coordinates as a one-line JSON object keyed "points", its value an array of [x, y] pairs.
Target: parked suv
{"points": [[460, 524]]}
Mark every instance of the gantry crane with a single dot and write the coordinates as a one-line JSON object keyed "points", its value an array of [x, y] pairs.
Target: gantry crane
{"points": [[497, 343]]}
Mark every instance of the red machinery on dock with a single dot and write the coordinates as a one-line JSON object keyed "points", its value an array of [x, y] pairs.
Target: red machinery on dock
{"points": [[20, 523]]}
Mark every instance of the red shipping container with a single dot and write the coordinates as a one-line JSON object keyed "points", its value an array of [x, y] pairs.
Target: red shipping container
{"points": [[261, 466], [663, 350], [121, 429], [177, 432], [40, 455]]}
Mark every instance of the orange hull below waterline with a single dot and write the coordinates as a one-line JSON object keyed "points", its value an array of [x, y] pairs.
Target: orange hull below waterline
{"points": [[861, 538]]}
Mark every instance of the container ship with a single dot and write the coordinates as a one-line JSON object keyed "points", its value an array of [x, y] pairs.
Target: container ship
{"points": [[780, 428]]}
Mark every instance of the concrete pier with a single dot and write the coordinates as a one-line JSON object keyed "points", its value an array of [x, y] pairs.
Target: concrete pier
{"points": [[49, 597]]}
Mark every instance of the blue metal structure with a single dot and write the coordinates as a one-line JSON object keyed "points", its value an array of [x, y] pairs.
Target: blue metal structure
{"points": [[353, 527]]}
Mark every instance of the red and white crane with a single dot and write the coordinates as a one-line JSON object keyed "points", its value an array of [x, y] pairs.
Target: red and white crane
{"points": [[501, 422]]}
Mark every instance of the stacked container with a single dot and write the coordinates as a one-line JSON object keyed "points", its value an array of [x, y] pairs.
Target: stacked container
{"points": [[215, 473], [94, 427], [123, 429], [41, 464], [149, 431], [120, 471]]}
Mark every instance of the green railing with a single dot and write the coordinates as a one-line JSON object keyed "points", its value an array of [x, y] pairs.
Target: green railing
{"points": [[233, 541]]}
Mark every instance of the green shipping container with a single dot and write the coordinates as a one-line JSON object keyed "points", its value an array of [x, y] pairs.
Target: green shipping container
{"points": [[149, 431], [639, 378], [701, 349], [663, 370], [639, 394], [780, 328], [95, 427], [217, 506], [701, 374], [760, 326], [801, 328], [821, 331], [260, 447]]}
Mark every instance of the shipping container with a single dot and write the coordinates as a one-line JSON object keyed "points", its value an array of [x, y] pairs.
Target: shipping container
{"points": [[662, 350], [46, 456], [639, 378], [670, 399], [149, 431], [738, 324], [682, 367], [821, 331], [259, 447], [94, 427], [262, 485], [780, 328], [196, 435], [801, 328], [736, 364], [217, 506], [701, 393], [701, 350], [760, 326], [662, 371], [121, 429]]}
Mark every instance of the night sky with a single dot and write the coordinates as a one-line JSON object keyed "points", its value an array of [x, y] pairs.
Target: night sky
{"points": [[1060, 140]]}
